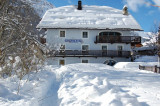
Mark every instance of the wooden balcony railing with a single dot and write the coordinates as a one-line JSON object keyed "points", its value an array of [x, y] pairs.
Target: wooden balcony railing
{"points": [[90, 53], [118, 39]]}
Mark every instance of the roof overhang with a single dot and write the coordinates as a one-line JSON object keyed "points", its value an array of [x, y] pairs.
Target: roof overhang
{"points": [[118, 29]]}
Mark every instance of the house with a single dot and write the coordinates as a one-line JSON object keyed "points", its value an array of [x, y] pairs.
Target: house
{"points": [[89, 34]]}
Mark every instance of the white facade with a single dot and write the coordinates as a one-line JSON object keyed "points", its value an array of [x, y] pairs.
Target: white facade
{"points": [[53, 38], [83, 37], [72, 60]]}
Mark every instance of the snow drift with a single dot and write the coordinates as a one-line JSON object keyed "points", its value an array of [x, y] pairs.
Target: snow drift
{"points": [[83, 85]]}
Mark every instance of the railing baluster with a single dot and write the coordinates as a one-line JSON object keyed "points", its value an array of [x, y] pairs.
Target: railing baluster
{"points": [[92, 53]]}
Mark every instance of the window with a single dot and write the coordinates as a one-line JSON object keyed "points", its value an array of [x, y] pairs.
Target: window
{"points": [[62, 47], [85, 47], [104, 47], [84, 61], [119, 48], [62, 34], [61, 62], [111, 37], [85, 34], [62, 50], [110, 34]]}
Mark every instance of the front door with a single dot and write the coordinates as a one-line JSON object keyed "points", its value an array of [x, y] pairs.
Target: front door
{"points": [[119, 49]]}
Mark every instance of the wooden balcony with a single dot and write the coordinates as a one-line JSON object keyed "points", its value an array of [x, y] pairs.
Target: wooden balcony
{"points": [[90, 53], [118, 39]]}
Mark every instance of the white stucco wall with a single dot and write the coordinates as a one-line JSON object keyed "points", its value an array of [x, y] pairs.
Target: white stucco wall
{"points": [[73, 60], [53, 38]]}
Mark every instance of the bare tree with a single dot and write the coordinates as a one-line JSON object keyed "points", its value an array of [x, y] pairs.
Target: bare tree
{"points": [[153, 36], [20, 52]]}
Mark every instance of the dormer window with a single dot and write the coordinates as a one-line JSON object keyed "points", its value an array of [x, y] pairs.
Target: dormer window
{"points": [[62, 33], [85, 34]]}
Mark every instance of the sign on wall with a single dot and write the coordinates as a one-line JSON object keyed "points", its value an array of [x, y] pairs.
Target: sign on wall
{"points": [[73, 40]]}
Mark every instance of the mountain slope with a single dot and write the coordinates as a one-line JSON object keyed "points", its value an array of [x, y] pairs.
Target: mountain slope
{"points": [[40, 6]]}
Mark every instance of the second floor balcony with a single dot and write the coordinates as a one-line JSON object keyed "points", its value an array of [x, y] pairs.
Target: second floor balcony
{"points": [[90, 53], [118, 39]]}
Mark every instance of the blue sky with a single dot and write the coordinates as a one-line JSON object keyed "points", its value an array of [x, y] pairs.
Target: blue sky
{"points": [[145, 14]]}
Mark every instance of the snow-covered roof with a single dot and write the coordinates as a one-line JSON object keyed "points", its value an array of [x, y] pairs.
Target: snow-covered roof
{"points": [[90, 17]]}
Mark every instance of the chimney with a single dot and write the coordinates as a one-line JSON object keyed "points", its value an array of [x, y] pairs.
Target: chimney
{"points": [[125, 10], [79, 5]]}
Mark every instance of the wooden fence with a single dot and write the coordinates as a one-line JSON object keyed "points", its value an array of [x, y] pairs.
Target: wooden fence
{"points": [[150, 68]]}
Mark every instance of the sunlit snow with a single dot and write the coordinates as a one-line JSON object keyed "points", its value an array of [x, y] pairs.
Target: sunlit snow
{"points": [[84, 85], [96, 17]]}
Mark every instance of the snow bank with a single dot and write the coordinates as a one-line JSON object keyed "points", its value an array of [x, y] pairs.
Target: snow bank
{"points": [[34, 90], [133, 65], [83, 85], [142, 60]]}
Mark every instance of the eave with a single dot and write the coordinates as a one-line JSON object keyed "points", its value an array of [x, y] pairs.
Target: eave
{"points": [[118, 29]]}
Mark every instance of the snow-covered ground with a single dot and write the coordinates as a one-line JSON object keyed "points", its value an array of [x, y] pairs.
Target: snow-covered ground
{"points": [[84, 85]]}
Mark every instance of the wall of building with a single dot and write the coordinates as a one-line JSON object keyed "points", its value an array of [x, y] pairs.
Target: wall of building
{"points": [[54, 39], [73, 60]]}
